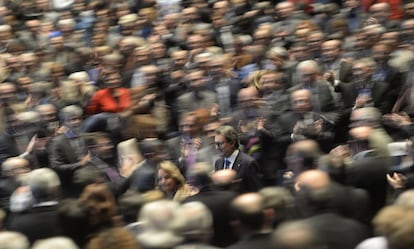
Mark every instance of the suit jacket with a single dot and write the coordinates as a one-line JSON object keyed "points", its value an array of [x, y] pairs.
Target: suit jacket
{"points": [[337, 232], [288, 121], [64, 161], [189, 102], [257, 240], [218, 202], [248, 170], [326, 102], [380, 96], [36, 223]]}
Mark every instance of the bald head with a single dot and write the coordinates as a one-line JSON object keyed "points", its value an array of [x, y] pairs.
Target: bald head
{"points": [[313, 179], [15, 166], [223, 178], [247, 209]]}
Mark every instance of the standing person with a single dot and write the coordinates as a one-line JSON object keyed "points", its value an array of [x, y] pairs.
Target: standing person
{"points": [[248, 170], [68, 151]]}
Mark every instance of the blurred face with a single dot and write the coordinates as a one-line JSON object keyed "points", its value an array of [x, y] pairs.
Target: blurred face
{"points": [[361, 72], [165, 181], [196, 80], [179, 58], [113, 81], [104, 148], [308, 75], [224, 148], [381, 53], [301, 101], [269, 83], [73, 122], [330, 51], [284, 9], [188, 126]]}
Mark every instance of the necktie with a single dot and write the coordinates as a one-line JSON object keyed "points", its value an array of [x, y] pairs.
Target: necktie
{"points": [[226, 163]]}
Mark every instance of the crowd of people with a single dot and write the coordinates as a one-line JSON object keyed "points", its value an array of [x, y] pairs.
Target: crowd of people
{"points": [[163, 124]]}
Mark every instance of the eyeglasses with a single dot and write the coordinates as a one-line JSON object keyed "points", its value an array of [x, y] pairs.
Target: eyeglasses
{"points": [[219, 144]]}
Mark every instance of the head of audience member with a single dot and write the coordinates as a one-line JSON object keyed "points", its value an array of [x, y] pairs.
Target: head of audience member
{"points": [[278, 205], [247, 214], [226, 140], [196, 43], [196, 81], [314, 41], [308, 71], [100, 146], [407, 32], [278, 57], [13, 240], [394, 223], [150, 73], [190, 125], [380, 11], [296, 235], [362, 70], [312, 192], [169, 178], [284, 10], [299, 51], [179, 59], [101, 206], [44, 184], [225, 180], [158, 218], [271, 82], [127, 45], [301, 101], [195, 223], [302, 155], [373, 33], [247, 98], [71, 117], [381, 53], [55, 242], [15, 167], [113, 238], [152, 150], [7, 93], [331, 50]]}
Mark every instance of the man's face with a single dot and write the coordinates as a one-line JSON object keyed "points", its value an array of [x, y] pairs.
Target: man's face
{"points": [[361, 72], [188, 126], [308, 75], [381, 53], [330, 52], [301, 102], [73, 122], [224, 149], [269, 83]]}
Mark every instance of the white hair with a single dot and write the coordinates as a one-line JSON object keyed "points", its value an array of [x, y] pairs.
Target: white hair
{"points": [[195, 221], [55, 242], [13, 240], [44, 183], [79, 76]]}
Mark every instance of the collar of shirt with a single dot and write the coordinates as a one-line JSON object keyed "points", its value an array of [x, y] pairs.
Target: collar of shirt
{"points": [[232, 158]]}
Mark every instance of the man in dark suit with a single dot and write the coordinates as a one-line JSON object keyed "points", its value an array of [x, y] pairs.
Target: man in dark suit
{"points": [[362, 92], [334, 68], [198, 96], [68, 151], [248, 222], [302, 123], [322, 100], [41, 220], [217, 201], [248, 170], [314, 196]]}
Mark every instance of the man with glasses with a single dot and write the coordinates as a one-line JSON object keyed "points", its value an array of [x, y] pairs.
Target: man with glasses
{"points": [[232, 158]]}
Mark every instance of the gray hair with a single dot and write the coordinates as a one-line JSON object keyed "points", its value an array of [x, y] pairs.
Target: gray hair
{"points": [[195, 222], [44, 184], [69, 112], [157, 220], [55, 242], [13, 240]]}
